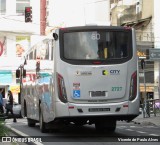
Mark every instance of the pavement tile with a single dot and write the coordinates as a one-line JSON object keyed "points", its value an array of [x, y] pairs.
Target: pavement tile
{"points": [[152, 120]]}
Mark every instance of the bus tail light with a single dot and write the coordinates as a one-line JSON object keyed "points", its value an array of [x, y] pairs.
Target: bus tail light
{"points": [[133, 86], [61, 88]]}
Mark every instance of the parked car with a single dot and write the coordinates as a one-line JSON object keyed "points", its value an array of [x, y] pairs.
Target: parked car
{"points": [[16, 108]]}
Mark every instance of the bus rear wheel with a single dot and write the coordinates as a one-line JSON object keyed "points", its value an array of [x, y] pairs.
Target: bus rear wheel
{"points": [[31, 123], [105, 125]]}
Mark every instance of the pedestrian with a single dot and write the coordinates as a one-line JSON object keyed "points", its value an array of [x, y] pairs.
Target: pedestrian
{"points": [[1, 102], [10, 106]]}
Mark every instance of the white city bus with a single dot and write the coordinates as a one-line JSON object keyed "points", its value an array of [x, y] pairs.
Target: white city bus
{"points": [[82, 75]]}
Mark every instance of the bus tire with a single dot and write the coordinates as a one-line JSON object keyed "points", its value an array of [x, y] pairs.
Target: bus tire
{"points": [[80, 123], [31, 123], [42, 124], [25, 109], [103, 125]]}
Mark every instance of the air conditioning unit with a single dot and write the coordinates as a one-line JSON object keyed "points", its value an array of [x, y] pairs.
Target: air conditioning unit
{"points": [[138, 6]]}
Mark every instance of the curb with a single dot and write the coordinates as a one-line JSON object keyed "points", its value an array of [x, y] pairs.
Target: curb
{"points": [[21, 134], [145, 123]]}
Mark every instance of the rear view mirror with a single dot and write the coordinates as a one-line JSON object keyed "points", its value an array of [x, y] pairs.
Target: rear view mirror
{"points": [[55, 36]]}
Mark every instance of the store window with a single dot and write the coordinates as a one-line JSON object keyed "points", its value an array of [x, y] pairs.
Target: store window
{"points": [[2, 7], [21, 4], [149, 72]]}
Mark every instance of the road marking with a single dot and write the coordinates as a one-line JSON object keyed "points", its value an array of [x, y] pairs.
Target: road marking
{"points": [[154, 134], [141, 132], [22, 134], [152, 126], [140, 127], [17, 131], [133, 126], [129, 130], [121, 127]]}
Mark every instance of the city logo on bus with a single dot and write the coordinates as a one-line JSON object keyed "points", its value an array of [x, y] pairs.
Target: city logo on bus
{"points": [[105, 72], [111, 72]]}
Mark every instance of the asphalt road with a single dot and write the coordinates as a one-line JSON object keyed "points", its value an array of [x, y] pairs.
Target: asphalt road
{"points": [[125, 133]]}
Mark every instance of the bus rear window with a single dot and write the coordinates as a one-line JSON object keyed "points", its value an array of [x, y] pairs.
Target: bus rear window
{"points": [[97, 45]]}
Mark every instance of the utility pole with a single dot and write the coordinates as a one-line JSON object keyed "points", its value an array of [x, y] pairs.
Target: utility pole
{"points": [[20, 73], [145, 103], [21, 79]]}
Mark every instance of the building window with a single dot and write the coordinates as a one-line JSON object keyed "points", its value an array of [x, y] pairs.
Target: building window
{"points": [[2, 6], [21, 4]]}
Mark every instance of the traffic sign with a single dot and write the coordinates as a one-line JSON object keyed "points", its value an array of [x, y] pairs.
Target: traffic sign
{"points": [[153, 53]]}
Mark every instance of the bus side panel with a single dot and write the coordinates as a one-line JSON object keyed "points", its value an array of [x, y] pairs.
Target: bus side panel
{"points": [[22, 101], [134, 104]]}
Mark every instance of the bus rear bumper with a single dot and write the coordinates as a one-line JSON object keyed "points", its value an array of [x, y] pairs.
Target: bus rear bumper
{"points": [[93, 118], [118, 111]]}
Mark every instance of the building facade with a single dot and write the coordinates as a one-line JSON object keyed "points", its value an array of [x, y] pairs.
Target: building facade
{"points": [[61, 13], [142, 15], [16, 37]]}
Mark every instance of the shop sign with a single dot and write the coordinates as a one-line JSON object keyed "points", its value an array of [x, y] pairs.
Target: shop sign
{"points": [[15, 89]]}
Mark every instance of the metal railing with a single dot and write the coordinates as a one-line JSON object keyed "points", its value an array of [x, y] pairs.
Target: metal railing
{"points": [[151, 106]]}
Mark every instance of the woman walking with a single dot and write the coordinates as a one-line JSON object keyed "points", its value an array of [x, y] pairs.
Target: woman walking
{"points": [[10, 106]]}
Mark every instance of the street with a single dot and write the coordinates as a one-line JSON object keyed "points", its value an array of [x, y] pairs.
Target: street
{"points": [[86, 134]]}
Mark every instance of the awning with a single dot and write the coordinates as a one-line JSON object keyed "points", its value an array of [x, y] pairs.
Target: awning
{"points": [[139, 23], [5, 77]]}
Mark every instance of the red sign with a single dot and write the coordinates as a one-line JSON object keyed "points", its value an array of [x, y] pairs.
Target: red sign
{"points": [[30, 78], [1, 48]]}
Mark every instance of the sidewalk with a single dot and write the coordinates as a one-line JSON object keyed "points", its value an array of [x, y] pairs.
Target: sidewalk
{"points": [[152, 120], [2, 118]]}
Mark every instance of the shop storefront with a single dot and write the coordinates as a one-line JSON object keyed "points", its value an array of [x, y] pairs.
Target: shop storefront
{"points": [[146, 75], [5, 81]]}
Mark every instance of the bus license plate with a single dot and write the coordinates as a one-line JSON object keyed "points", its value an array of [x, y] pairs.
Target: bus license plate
{"points": [[98, 93], [98, 109]]}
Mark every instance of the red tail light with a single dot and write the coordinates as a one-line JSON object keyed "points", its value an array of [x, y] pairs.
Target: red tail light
{"points": [[133, 86], [61, 88], [96, 62]]}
